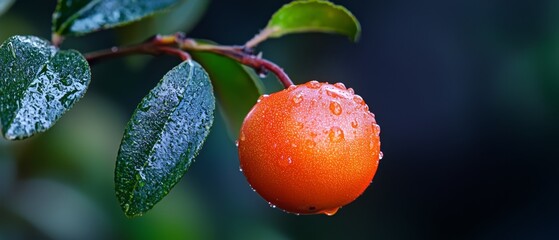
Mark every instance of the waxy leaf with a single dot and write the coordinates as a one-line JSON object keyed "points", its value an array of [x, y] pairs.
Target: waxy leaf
{"points": [[38, 83], [78, 17], [313, 16], [165, 133], [236, 87]]}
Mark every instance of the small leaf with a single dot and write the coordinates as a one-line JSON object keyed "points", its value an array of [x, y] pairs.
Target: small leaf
{"points": [[78, 17], [38, 83], [163, 136], [313, 16], [236, 87]]}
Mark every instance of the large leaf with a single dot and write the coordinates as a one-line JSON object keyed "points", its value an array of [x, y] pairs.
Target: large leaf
{"points": [[77, 17], [237, 88], [313, 16], [163, 136], [38, 83]]}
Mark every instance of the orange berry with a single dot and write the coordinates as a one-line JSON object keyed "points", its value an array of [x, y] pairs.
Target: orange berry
{"points": [[311, 148]]}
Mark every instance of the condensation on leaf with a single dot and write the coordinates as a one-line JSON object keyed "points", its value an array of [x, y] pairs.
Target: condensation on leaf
{"points": [[163, 137], [77, 17], [38, 84]]}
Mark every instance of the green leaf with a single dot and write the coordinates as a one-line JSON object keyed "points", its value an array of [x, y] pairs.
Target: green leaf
{"points": [[182, 17], [163, 136], [313, 16], [78, 17], [236, 87], [38, 83]]}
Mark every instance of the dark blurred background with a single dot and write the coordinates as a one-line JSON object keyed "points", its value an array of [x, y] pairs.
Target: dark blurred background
{"points": [[466, 93]]}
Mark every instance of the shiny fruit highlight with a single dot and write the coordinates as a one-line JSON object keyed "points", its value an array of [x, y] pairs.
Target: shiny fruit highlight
{"points": [[311, 148]]}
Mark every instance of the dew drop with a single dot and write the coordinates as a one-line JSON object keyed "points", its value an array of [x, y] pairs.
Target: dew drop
{"points": [[272, 205], [262, 97], [358, 99], [376, 129], [335, 108], [340, 86], [297, 98], [313, 84], [330, 212], [292, 87], [332, 92], [354, 123], [365, 107], [336, 134], [240, 169], [237, 143], [350, 90], [380, 155], [284, 162]]}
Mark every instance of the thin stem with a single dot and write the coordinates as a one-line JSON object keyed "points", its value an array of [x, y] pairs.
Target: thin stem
{"points": [[150, 47], [177, 44], [260, 64], [114, 52], [260, 37], [241, 55]]}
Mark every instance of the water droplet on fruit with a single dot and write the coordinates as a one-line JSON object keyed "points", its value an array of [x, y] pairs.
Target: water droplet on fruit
{"points": [[242, 137], [332, 92], [336, 134], [335, 108], [365, 107], [380, 155], [272, 205], [284, 162], [354, 123], [313, 84], [237, 143], [358, 99], [340, 85], [350, 90], [240, 169], [297, 98], [376, 129], [330, 212], [291, 87], [262, 97]]}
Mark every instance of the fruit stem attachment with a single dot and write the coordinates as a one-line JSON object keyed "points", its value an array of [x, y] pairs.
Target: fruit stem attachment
{"points": [[178, 45]]}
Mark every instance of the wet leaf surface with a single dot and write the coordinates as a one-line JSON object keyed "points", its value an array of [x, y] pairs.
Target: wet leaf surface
{"points": [[163, 137], [78, 17], [38, 83]]}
